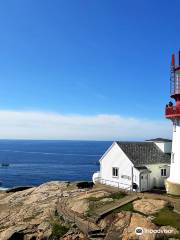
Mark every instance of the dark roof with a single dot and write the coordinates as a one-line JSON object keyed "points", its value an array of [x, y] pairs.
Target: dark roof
{"points": [[141, 153], [159, 140], [143, 168]]}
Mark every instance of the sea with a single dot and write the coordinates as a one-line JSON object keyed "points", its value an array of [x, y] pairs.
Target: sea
{"points": [[33, 162]]}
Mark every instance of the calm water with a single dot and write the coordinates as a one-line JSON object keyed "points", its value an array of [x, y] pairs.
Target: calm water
{"points": [[35, 162]]}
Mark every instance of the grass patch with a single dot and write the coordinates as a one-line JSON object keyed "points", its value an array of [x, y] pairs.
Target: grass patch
{"points": [[127, 207], [166, 216], [58, 230], [96, 203], [117, 195], [92, 206], [114, 196]]}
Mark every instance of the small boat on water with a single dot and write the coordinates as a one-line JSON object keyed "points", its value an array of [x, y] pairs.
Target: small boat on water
{"points": [[5, 164]]}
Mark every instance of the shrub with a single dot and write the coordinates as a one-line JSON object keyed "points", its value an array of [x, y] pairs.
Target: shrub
{"points": [[85, 185], [58, 230], [117, 195]]}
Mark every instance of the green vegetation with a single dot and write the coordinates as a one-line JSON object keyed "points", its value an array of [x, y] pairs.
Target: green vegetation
{"points": [[166, 216], [114, 196], [58, 227], [95, 203], [127, 207], [117, 195], [92, 207], [58, 230]]}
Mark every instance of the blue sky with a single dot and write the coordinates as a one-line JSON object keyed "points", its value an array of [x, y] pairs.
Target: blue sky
{"points": [[87, 58]]}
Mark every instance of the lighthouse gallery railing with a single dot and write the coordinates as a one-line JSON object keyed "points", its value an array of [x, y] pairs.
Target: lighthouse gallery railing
{"points": [[174, 110]]}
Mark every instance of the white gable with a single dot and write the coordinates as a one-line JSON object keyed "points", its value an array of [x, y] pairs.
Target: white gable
{"points": [[116, 158], [164, 146]]}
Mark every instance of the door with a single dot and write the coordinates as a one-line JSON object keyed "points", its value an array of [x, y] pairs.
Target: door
{"points": [[144, 182]]}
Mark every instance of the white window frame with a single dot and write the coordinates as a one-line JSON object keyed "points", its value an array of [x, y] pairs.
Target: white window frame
{"points": [[116, 171]]}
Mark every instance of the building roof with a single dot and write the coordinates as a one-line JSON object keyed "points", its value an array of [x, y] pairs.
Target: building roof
{"points": [[141, 153], [159, 140], [143, 168]]}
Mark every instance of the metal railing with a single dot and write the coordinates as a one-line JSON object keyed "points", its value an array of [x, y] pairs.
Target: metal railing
{"points": [[122, 186], [174, 110], [175, 81], [80, 220]]}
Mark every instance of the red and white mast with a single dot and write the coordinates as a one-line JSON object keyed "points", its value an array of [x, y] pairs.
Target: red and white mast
{"points": [[172, 112]]}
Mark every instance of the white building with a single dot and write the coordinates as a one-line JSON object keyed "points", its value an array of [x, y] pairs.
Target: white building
{"points": [[141, 166]]}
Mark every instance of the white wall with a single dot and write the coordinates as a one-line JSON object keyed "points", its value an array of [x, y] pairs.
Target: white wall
{"points": [[164, 146], [175, 157], [115, 157], [136, 177], [155, 178]]}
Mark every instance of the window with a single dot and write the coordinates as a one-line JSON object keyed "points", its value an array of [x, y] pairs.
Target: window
{"points": [[115, 172], [163, 172]]}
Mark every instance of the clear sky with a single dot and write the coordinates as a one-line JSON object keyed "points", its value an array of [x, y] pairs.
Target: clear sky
{"points": [[87, 58]]}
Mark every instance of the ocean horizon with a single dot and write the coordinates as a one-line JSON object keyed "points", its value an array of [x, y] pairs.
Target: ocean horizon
{"points": [[33, 162]]}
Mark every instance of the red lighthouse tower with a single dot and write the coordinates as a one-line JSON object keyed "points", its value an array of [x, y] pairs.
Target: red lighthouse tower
{"points": [[172, 112]]}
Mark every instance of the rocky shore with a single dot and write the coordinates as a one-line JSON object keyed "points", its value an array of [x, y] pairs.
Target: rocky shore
{"points": [[63, 210]]}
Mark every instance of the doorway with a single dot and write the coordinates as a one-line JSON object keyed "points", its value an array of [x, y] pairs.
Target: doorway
{"points": [[144, 182]]}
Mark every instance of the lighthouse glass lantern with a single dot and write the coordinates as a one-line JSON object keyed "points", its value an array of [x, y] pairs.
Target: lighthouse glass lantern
{"points": [[172, 112]]}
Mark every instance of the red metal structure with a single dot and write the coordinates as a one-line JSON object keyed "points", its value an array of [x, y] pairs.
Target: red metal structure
{"points": [[171, 111]]}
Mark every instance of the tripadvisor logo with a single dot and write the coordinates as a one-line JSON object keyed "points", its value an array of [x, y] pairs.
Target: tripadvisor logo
{"points": [[139, 231]]}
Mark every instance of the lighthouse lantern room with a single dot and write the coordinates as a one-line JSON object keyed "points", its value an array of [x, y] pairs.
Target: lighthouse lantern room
{"points": [[172, 112]]}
